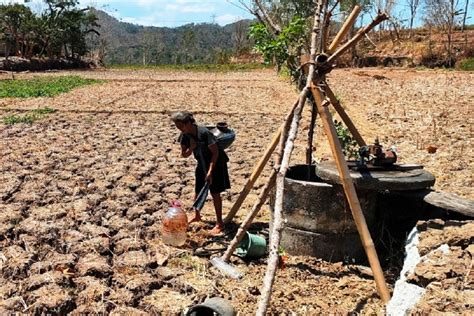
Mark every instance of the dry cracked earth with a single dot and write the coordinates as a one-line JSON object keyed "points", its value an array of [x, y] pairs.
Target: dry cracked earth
{"points": [[82, 191]]}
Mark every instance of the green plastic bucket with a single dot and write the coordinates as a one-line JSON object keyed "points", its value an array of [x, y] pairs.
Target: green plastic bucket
{"points": [[251, 246]]}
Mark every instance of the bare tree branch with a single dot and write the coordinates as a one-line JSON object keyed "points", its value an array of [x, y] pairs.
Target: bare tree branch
{"points": [[266, 17]]}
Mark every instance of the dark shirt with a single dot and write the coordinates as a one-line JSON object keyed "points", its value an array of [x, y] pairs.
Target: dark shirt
{"points": [[203, 155], [203, 139]]}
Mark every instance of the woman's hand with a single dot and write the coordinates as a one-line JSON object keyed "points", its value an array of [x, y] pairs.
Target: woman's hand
{"points": [[192, 144], [209, 177], [186, 151]]}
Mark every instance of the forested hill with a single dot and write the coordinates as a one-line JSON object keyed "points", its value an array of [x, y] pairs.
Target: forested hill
{"points": [[125, 43]]}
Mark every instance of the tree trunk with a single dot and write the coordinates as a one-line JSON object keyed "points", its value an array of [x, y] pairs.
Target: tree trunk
{"points": [[268, 20], [464, 17], [309, 147], [277, 217]]}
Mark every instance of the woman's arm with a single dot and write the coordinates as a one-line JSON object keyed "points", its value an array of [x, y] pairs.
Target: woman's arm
{"points": [[215, 154], [187, 151]]}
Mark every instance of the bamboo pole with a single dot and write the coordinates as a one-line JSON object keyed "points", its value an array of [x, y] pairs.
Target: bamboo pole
{"points": [[348, 24], [378, 19], [254, 176], [267, 188], [309, 148], [277, 216], [263, 161], [250, 217], [351, 195], [325, 29], [345, 118]]}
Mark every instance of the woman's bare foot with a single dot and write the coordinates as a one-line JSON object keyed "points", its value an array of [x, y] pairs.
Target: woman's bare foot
{"points": [[196, 218], [217, 230]]}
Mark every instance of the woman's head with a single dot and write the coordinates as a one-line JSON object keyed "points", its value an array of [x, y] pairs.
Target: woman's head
{"points": [[184, 121]]}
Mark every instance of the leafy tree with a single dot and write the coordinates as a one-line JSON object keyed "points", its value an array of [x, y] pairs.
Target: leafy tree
{"points": [[283, 47], [283, 33], [65, 28], [15, 23], [59, 31]]}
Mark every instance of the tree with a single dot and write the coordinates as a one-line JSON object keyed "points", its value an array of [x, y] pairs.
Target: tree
{"points": [[283, 47], [413, 5], [239, 37], [384, 6], [346, 7], [146, 40], [283, 33], [59, 31], [283, 30], [15, 23], [65, 28], [444, 14], [464, 16], [188, 43]]}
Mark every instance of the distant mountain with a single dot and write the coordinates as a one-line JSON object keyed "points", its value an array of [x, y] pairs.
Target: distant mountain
{"points": [[125, 43]]}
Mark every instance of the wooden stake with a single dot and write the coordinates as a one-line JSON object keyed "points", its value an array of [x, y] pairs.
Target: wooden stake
{"points": [[378, 19], [266, 190], [250, 217], [263, 161], [351, 194], [345, 118], [277, 216], [254, 176], [309, 148], [348, 24]]}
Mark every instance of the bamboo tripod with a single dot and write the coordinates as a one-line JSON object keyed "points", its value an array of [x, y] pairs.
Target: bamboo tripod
{"points": [[320, 65]]}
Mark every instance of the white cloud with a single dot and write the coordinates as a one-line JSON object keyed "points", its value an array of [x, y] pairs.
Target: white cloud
{"points": [[150, 20], [146, 3], [190, 7], [172, 7], [227, 19]]}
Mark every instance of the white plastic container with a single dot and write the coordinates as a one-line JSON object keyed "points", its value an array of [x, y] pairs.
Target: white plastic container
{"points": [[226, 268]]}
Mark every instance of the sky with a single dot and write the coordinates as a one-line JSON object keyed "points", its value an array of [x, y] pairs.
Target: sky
{"points": [[164, 13], [173, 13]]}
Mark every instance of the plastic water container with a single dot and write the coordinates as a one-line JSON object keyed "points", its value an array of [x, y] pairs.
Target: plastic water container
{"points": [[226, 268], [175, 225]]}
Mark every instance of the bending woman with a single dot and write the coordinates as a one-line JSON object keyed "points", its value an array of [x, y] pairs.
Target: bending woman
{"points": [[211, 162]]}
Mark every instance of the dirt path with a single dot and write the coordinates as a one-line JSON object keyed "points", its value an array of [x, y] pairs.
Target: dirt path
{"points": [[82, 191]]}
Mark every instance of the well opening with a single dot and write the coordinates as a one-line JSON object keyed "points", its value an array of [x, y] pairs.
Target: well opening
{"points": [[303, 173]]}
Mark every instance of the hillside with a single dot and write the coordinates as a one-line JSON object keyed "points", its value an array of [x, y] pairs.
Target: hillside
{"points": [[425, 48], [125, 43]]}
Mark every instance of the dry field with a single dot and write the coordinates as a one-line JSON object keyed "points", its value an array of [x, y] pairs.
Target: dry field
{"points": [[82, 191]]}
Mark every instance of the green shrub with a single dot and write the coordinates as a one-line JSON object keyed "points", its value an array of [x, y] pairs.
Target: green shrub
{"points": [[467, 64], [348, 143], [41, 87]]}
